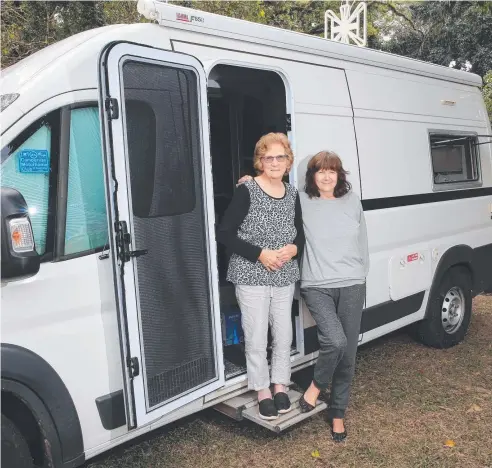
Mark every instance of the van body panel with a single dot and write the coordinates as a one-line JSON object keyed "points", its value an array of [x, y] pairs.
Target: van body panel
{"points": [[409, 274], [392, 91], [66, 315], [416, 226]]}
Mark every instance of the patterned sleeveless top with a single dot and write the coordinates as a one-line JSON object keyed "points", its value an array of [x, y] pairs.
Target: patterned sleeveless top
{"points": [[269, 224]]}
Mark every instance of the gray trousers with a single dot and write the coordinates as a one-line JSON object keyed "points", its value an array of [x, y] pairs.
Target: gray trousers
{"points": [[261, 306], [337, 313]]}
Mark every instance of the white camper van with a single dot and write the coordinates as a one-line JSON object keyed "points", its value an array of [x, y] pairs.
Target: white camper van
{"points": [[121, 147]]}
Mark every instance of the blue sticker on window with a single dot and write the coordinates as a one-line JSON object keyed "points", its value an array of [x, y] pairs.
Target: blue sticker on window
{"points": [[34, 161]]}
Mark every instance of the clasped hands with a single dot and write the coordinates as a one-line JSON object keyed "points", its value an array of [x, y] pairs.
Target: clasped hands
{"points": [[273, 260]]}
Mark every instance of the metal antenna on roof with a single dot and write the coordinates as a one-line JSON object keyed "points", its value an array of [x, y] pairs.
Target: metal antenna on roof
{"points": [[351, 26]]}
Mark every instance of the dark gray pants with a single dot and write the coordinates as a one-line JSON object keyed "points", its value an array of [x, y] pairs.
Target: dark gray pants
{"points": [[337, 313]]}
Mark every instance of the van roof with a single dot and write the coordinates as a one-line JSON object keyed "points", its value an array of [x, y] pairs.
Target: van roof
{"points": [[209, 23]]}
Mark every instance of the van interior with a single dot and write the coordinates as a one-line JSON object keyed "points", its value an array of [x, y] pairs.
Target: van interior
{"points": [[244, 104]]}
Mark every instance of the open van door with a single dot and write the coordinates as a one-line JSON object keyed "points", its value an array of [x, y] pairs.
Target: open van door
{"points": [[160, 204]]}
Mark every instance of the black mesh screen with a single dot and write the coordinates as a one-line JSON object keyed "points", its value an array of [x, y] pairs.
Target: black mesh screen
{"points": [[169, 221]]}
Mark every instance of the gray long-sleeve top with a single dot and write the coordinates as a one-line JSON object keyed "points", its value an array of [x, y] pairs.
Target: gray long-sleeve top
{"points": [[336, 251]]}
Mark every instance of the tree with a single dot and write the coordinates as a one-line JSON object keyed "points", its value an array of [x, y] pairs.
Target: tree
{"points": [[121, 12], [487, 93], [446, 33], [77, 16], [28, 26]]}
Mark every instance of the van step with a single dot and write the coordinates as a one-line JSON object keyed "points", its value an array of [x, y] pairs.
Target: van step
{"points": [[246, 406]]}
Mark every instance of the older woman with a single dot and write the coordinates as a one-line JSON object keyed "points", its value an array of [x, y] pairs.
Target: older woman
{"points": [[262, 228], [334, 269]]}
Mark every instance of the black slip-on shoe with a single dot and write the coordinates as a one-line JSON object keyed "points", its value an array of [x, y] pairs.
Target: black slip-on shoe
{"points": [[305, 406], [338, 436], [267, 409], [282, 402]]}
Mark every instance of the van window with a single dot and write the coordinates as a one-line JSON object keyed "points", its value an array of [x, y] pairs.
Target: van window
{"points": [[454, 158], [26, 166], [86, 226], [162, 123]]}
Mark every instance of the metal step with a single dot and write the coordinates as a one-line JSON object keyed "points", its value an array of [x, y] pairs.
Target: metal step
{"points": [[246, 406], [239, 401]]}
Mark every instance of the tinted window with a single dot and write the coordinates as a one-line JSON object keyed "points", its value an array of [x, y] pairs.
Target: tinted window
{"points": [[161, 104], [26, 166], [87, 226], [454, 158]]}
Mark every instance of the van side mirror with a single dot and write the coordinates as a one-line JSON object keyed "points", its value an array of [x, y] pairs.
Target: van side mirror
{"points": [[19, 256]]}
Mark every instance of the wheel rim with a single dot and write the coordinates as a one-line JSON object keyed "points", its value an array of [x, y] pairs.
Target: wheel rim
{"points": [[453, 310]]}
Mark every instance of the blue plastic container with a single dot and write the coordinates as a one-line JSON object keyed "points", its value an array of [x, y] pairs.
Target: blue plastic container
{"points": [[232, 331]]}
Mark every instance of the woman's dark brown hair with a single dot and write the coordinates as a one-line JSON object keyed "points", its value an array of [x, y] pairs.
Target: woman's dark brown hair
{"points": [[326, 161]]}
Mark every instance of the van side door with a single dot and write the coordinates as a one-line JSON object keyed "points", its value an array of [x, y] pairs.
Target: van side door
{"points": [[160, 204]]}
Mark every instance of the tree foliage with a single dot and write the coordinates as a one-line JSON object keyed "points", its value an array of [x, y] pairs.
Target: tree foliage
{"points": [[445, 32], [28, 26], [487, 92]]}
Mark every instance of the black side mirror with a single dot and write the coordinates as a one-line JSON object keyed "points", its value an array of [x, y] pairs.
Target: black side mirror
{"points": [[19, 256]]}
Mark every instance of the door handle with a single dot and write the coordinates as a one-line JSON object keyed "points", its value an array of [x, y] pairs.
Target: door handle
{"points": [[138, 253], [123, 240]]}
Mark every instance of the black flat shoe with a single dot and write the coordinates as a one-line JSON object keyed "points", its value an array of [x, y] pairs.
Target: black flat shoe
{"points": [[305, 406], [282, 402], [338, 436], [267, 409]]}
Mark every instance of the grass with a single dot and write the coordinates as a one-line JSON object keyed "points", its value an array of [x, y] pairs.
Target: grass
{"points": [[407, 401]]}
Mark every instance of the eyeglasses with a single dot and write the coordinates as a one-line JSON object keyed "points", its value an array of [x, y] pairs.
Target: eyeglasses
{"points": [[269, 159]]}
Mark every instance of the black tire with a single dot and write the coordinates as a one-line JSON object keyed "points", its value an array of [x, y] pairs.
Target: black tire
{"points": [[431, 331], [15, 450]]}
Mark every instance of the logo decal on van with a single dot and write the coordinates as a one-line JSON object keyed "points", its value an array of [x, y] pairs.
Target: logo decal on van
{"points": [[187, 19], [412, 257]]}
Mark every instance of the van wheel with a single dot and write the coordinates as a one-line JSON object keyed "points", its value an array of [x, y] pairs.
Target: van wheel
{"points": [[449, 311], [15, 450]]}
